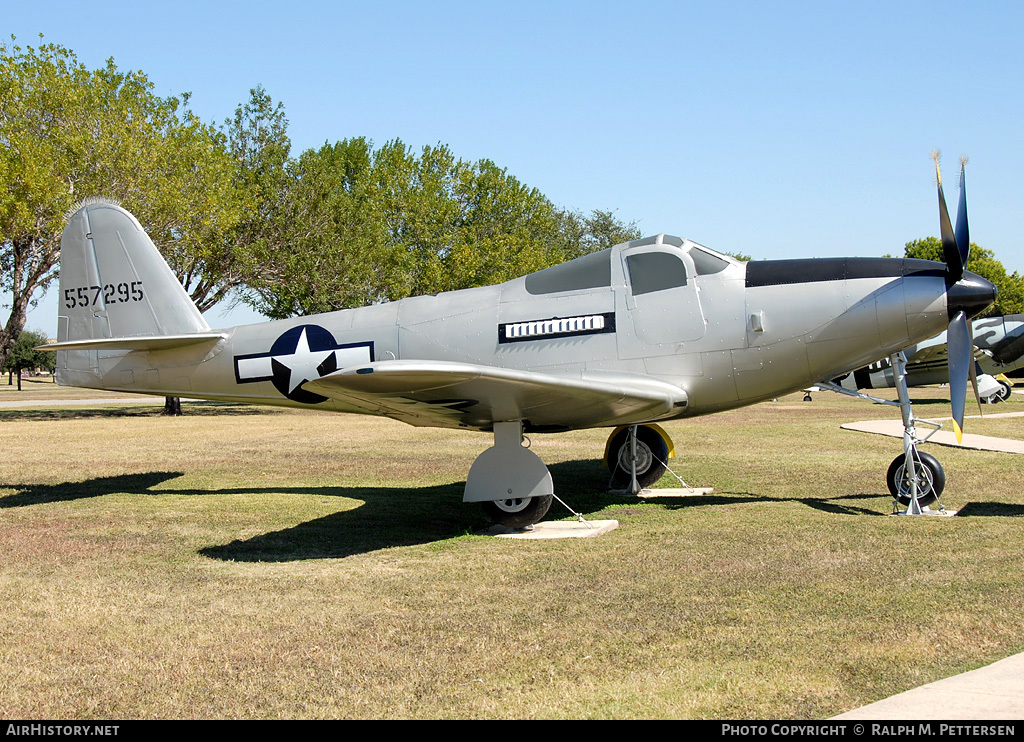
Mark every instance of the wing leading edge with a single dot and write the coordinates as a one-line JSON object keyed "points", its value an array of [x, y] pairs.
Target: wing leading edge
{"points": [[465, 395]]}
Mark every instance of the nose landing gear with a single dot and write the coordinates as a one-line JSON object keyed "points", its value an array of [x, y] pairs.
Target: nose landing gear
{"points": [[915, 479]]}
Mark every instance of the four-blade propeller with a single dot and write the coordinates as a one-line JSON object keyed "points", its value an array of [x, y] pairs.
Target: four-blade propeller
{"points": [[956, 250]]}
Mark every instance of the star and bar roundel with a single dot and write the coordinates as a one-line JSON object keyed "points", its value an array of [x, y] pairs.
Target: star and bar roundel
{"points": [[301, 354]]}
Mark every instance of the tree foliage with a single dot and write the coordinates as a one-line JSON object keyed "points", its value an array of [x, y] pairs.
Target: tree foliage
{"points": [[24, 355], [364, 225], [984, 263], [68, 133], [231, 209], [259, 148]]}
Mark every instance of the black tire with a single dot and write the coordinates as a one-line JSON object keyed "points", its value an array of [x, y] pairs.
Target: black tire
{"points": [[1004, 392], [517, 512], [931, 480], [651, 453]]}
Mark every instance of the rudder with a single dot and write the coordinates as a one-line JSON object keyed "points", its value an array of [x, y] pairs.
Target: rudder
{"points": [[114, 283]]}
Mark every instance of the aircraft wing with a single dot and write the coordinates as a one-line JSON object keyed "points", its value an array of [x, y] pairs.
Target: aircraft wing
{"points": [[931, 355], [928, 354], [465, 395]]}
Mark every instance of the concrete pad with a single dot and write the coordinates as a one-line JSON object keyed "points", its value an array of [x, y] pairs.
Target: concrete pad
{"points": [[556, 529], [992, 692], [894, 429], [926, 511], [675, 492]]}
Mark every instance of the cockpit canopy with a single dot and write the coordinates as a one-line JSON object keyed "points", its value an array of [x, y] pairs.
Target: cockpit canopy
{"points": [[649, 271]]}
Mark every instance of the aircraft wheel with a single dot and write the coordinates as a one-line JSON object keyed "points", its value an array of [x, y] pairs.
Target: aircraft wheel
{"points": [[651, 454], [517, 512], [931, 480], [1004, 392]]}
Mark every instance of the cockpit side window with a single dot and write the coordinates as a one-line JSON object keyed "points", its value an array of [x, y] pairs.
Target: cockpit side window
{"points": [[705, 263], [588, 272], [655, 271]]}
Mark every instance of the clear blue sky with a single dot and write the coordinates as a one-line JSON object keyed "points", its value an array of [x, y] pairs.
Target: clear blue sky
{"points": [[775, 129]]}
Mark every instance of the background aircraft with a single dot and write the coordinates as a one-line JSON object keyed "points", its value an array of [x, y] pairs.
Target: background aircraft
{"points": [[999, 343], [649, 330]]}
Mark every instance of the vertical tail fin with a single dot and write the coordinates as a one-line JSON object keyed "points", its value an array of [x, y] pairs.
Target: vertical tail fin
{"points": [[115, 284], [117, 294]]}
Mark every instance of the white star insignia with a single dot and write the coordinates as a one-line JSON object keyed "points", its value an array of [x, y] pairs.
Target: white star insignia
{"points": [[303, 363]]}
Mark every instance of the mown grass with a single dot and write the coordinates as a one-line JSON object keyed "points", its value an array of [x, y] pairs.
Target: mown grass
{"points": [[253, 563]]}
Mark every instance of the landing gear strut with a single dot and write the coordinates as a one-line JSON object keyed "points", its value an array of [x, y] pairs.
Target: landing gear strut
{"points": [[510, 481], [637, 456], [915, 479]]}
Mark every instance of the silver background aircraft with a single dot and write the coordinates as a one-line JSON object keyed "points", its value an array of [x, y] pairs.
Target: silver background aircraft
{"points": [[650, 330]]}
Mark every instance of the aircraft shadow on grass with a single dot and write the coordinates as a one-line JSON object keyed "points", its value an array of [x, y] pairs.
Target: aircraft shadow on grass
{"points": [[1003, 509], [407, 516], [39, 494]]}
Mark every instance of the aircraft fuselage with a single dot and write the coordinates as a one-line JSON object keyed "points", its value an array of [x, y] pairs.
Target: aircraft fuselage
{"points": [[728, 333]]}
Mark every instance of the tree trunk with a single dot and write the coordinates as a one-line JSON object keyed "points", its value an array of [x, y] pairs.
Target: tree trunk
{"points": [[20, 297], [172, 406]]}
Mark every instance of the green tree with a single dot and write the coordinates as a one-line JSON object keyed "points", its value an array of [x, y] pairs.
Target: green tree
{"points": [[505, 229], [69, 133], [189, 203], [259, 147], [364, 225], [24, 356], [579, 234], [334, 249], [984, 263]]}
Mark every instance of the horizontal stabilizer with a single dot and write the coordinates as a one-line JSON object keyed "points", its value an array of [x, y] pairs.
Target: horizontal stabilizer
{"points": [[148, 342]]}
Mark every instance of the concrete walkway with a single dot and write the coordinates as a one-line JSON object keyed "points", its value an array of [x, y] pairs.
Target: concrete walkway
{"points": [[894, 429], [80, 402], [992, 692]]}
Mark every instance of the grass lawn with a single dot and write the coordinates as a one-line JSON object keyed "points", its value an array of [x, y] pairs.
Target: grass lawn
{"points": [[243, 562]]}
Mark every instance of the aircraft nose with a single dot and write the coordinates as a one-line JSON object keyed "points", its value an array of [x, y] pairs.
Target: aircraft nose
{"points": [[970, 295]]}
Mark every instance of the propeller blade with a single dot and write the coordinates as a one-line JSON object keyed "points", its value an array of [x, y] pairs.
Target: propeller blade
{"points": [[963, 236], [955, 261], [961, 364]]}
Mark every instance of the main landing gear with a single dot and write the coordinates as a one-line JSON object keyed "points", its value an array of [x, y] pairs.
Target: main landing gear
{"points": [[1001, 394], [510, 481], [637, 456], [514, 486], [915, 479]]}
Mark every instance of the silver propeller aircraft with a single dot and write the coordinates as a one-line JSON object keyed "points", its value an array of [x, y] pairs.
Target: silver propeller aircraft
{"points": [[646, 331]]}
